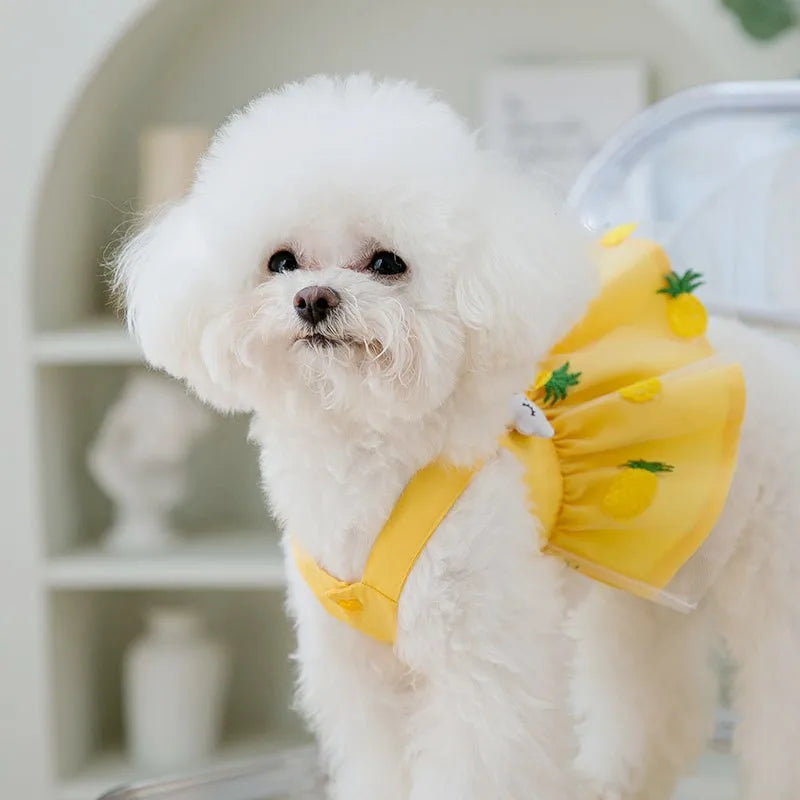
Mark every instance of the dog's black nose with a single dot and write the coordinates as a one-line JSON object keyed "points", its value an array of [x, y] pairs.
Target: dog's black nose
{"points": [[313, 303]]}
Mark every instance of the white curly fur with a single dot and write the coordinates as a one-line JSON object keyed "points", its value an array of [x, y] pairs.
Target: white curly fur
{"points": [[511, 677]]}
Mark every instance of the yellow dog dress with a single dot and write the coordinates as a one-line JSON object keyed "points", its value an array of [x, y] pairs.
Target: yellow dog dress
{"points": [[645, 429]]}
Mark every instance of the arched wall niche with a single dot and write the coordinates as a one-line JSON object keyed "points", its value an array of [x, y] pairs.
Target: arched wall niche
{"points": [[194, 61]]}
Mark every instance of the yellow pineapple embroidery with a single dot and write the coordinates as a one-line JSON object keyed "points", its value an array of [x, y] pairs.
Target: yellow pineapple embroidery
{"points": [[686, 314], [634, 489], [618, 235], [642, 391], [556, 383]]}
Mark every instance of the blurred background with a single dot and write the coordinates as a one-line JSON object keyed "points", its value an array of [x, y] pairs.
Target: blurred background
{"points": [[141, 621]]}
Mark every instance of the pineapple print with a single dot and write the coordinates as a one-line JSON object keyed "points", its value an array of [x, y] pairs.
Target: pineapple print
{"points": [[617, 235], [634, 489], [556, 383], [642, 391], [686, 314]]}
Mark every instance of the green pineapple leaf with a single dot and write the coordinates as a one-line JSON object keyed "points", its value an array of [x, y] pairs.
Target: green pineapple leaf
{"points": [[649, 466], [559, 383], [681, 284]]}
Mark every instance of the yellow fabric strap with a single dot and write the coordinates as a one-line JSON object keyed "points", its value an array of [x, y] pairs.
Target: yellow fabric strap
{"points": [[371, 603], [425, 502]]}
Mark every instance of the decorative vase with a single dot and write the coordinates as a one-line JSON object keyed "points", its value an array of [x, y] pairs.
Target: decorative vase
{"points": [[174, 686]]}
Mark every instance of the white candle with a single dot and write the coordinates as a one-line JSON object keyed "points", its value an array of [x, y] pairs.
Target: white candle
{"points": [[168, 157]]}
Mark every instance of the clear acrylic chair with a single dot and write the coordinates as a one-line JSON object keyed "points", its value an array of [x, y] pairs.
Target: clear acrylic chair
{"points": [[713, 173]]}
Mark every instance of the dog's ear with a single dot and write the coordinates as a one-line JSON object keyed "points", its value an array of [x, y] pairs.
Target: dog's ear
{"points": [[165, 277], [530, 278]]}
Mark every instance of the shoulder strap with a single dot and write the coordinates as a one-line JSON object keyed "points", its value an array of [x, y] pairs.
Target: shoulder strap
{"points": [[424, 503], [370, 605]]}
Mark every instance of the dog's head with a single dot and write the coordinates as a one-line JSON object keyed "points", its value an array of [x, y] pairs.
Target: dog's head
{"points": [[350, 240]]}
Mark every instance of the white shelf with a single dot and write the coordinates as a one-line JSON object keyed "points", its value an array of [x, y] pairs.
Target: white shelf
{"points": [[111, 769], [94, 341], [227, 560]]}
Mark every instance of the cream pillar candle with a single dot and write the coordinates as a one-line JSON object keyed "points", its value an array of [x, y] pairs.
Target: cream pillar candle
{"points": [[168, 156]]}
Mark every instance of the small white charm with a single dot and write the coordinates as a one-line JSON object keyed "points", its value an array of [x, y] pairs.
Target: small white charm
{"points": [[528, 419]]}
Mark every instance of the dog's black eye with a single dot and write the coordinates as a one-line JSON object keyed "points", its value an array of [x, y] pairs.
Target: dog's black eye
{"points": [[282, 261], [385, 263]]}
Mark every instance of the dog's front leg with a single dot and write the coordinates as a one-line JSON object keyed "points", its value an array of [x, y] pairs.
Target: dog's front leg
{"points": [[489, 717], [351, 690]]}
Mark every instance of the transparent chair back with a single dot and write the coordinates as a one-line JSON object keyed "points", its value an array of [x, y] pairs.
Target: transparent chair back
{"points": [[713, 174]]}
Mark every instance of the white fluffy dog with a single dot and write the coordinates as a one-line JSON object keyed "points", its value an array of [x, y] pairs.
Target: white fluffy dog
{"points": [[352, 268]]}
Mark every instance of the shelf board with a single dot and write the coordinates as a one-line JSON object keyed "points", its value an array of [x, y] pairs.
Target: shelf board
{"points": [[243, 560], [111, 769], [100, 340]]}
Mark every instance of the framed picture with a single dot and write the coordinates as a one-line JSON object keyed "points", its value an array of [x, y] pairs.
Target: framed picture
{"points": [[552, 118]]}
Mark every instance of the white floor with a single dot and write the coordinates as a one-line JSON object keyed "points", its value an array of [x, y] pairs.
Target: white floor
{"points": [[713, 778]]}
